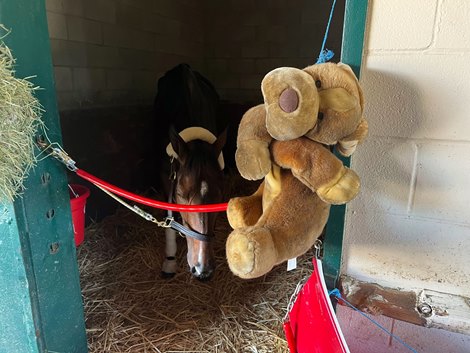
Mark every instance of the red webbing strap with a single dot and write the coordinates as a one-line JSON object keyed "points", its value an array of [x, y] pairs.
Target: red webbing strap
{"points": [[217, 207]]}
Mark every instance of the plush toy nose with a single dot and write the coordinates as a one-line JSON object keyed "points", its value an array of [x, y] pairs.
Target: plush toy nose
{"points": [[289, 100]]}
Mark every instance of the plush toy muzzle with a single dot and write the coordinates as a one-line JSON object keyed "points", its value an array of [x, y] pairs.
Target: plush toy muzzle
{"points": [[290, 96]]}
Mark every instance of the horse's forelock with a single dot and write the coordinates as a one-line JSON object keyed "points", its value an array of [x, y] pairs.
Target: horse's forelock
{"points": [[201, 159]]}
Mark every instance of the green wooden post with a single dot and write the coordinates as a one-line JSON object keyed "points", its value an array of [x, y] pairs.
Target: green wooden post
{"points": [[355, 15], [16, 316], [38, 259]]}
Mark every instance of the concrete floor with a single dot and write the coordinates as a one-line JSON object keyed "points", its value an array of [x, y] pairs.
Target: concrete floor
{"points": [[363, 336]]}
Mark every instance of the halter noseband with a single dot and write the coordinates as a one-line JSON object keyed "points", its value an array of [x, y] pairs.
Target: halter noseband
{"points": [[188, 232]]}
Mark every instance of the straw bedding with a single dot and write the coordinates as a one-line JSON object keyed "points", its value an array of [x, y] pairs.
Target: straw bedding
{"points": [[129, 308]]}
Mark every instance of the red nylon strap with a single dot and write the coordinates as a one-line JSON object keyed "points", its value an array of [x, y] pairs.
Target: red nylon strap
{"points": [[217, 207]]}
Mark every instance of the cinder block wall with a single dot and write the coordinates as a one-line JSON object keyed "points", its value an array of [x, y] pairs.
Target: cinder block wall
{"points": [[109, 52], [410, 225], [244, 39]]}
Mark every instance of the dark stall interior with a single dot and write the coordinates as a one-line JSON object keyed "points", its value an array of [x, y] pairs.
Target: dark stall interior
{"points": [[109, 55]]}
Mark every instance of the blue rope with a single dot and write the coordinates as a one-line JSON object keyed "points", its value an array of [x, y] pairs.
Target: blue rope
{"points": [[327, 54], [335, 292]]}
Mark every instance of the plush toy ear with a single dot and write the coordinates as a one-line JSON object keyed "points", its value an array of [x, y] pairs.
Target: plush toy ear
{"points": [[347, 145], [291, 102], [351, 73]]}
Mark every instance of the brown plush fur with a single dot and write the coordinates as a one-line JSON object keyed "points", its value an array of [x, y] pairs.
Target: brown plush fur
{"points": [[253, 140], [317, 168], [285, 142], [254, 250]]}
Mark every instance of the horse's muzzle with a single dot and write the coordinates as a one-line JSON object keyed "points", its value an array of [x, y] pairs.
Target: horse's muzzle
{"points": [[202, 273]]}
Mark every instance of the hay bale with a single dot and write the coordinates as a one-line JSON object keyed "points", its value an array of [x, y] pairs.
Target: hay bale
{"points": [[129, 308], [20, 115]]}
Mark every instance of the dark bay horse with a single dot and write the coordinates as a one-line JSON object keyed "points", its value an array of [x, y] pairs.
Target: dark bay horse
{"points": [[186, 100]]}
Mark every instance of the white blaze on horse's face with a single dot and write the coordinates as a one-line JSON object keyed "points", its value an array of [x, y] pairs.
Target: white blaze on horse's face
{"points": [[200, 254], [200, 258], [199, 181], [204, 189]]}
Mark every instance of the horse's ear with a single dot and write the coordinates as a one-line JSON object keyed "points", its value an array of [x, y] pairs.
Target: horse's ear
{"points": [[179, 145], [220, 142]]}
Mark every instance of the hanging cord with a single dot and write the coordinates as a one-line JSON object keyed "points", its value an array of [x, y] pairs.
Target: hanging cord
{"points": [[137, 210], [73, 191], [326, 54], [335, 292]]}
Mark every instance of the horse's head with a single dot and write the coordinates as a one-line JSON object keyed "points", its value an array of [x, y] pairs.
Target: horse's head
{"points": [[199, 180]]}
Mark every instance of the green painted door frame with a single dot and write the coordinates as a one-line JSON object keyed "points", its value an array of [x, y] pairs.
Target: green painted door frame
{"points": [[43, 305], [355, 15]]}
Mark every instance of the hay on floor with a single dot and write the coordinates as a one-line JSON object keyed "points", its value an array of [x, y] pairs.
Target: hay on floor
{"points": [[129, 308]]}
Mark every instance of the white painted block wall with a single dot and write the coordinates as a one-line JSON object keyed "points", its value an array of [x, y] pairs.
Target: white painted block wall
{"points": [[410, 225]]}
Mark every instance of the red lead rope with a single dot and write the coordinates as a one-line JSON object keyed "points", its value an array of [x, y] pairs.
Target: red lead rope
{"points": [[217, 207]]}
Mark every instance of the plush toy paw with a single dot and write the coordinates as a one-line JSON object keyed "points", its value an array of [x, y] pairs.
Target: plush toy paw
{"points": [[347, 148], [343, 189], [253, 159], [251, 252], [347, 145], [244, 211]]}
